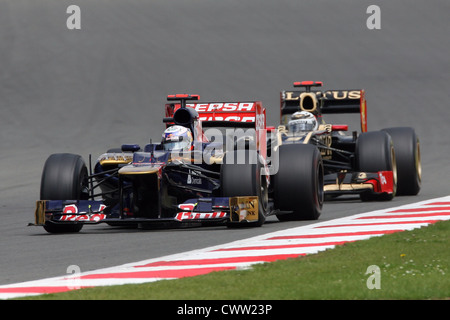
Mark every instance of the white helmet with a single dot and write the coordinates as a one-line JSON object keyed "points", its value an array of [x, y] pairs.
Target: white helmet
{"points": [[302, 121], [177, 138]]}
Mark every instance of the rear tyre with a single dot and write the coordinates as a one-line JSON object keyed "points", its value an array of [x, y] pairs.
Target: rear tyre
{"points": [[64, 178], [298, 184], [407, 154], [375, 152], [245, 180]]}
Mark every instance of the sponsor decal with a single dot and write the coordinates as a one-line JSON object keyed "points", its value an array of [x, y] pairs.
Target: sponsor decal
{"points": [[187, 206], [382, 178], [193, 177], [330, 94], [94, 217], [200, 215], [260, 121], [224, 107], [237, 118], [70, 213], [71, 208], [244, 208], [115, 158]]}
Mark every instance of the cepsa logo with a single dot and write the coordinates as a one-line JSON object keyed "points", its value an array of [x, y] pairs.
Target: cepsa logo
{"points": [[244, 111], [223, 107], [222, 117]]}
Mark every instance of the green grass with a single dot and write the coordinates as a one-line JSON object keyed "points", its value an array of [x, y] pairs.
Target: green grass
{"points": [[413, 264]]}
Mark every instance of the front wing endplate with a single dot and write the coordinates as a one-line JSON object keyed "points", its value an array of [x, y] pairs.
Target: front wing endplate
{"points": [[244, 209]]}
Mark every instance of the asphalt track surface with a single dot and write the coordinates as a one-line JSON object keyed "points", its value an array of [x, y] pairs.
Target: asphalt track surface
{"points": [[84, 91]]}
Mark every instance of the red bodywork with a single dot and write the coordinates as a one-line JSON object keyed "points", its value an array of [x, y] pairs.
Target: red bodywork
{"points": [[247, 114]]}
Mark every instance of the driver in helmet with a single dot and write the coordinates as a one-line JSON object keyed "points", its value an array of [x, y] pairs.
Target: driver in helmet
{"points": [[177, 138], [302, 121]]}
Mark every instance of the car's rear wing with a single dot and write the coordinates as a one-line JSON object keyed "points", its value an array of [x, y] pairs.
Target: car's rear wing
{"points": [[244, 114], [323, 102], [248, 114]]}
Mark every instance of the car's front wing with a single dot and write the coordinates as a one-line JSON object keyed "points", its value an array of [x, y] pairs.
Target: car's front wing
{"points": [[216, 209], [359, 182]]}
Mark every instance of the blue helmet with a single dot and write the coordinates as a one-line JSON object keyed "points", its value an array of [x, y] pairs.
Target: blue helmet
{"points": [[177, 138]]}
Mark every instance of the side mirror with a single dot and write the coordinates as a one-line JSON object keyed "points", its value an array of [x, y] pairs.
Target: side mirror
{"points": [[130, 147]]}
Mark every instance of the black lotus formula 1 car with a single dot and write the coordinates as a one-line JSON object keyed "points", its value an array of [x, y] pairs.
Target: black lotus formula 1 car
{"points": [[376, 165]]}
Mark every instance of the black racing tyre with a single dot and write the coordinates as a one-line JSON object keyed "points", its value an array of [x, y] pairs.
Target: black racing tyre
{"points": [[245, 179], [298, 184], [407, 154], [375, 152], [64, 178]]}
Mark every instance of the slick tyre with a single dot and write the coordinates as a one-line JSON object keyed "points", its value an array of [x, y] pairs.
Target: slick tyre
{"points": [[375, 152], [298, 184], [64, 178], [244, 178], [407, 154]]}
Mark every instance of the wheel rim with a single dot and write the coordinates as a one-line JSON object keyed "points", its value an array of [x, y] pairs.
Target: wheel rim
{"points": [[320, 191], [263, 193], [418, 162], [394, 169]]}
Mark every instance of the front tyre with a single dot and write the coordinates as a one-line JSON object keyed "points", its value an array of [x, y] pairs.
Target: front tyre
{"points": [[298, 184], [375, 152], [64, 178], [244, 178], [407, 153]]}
